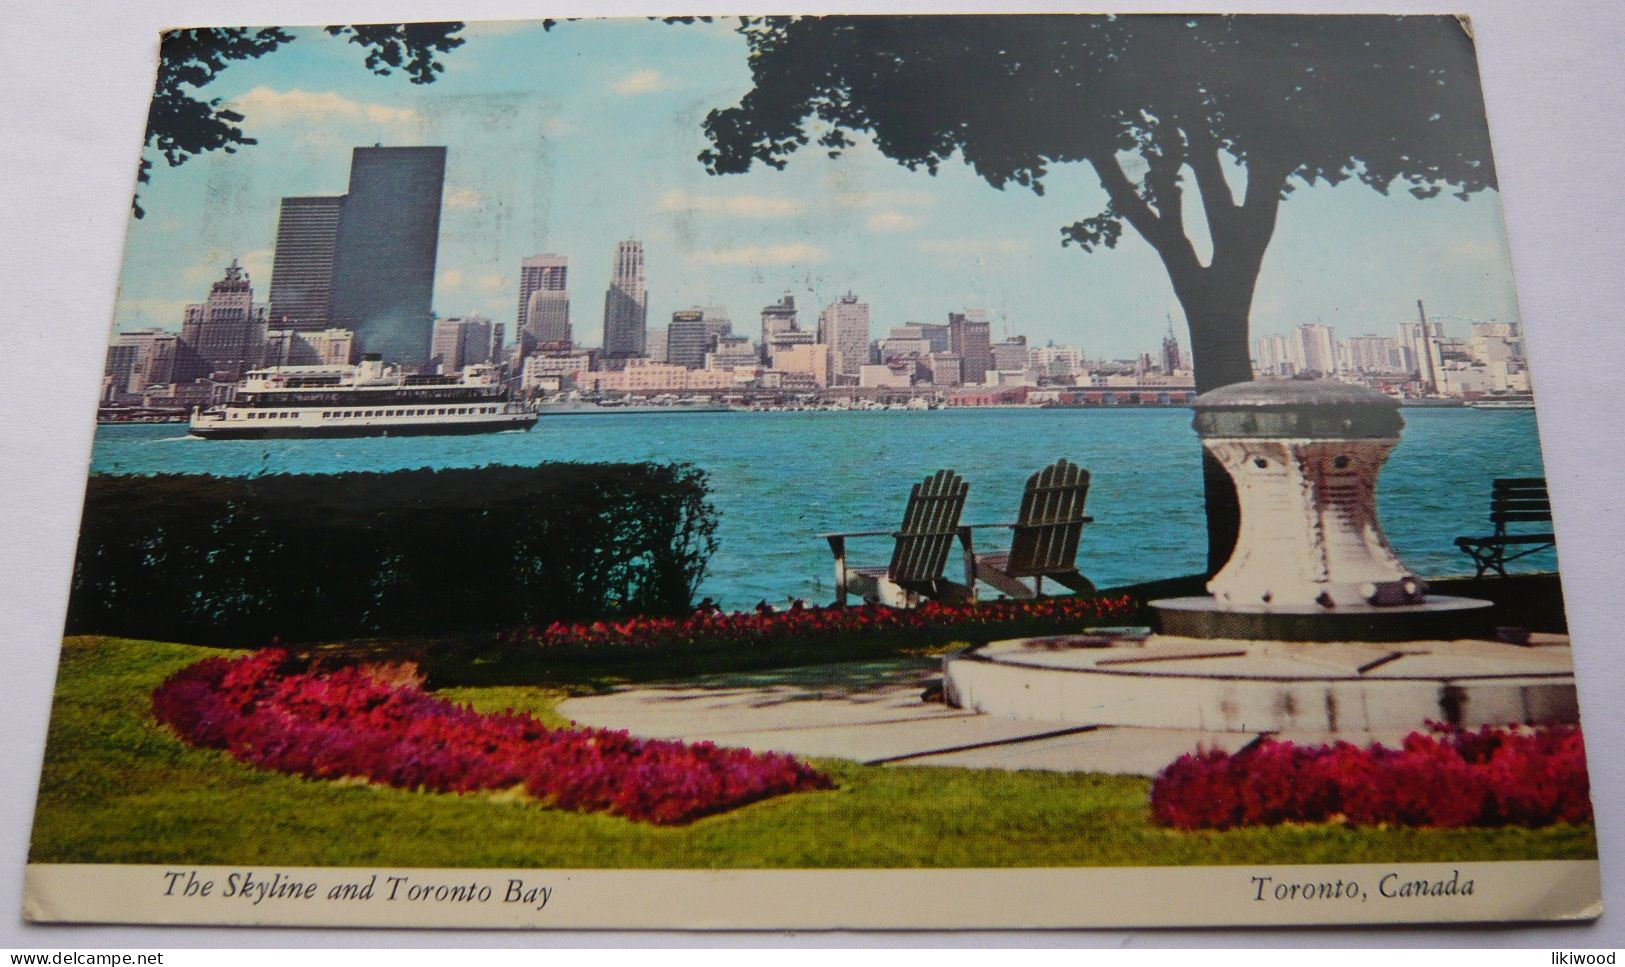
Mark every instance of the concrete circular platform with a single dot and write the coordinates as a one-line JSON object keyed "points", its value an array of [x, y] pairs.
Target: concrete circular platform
{"points": [[1228, 685], [1437, 617]]}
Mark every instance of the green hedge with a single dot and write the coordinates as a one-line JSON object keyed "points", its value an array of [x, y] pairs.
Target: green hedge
{"points": [[320, 557]]}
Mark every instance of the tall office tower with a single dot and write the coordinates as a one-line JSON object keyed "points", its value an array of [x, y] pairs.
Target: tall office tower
{"points": [[389, 232], [494, 352], [544, 299], [459, 342], [934, 333], [687, 340], [1369, 354], [304, 347], [843, 326], [307, 238], [1011, 355], [126, 365], [656, 345], [717, 325], [1317, 348], [780, 317], [227, 329], [970, 339], [626, 304], [477, 340]]}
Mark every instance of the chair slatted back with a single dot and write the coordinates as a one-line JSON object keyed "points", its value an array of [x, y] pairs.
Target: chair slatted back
{"points": [[1046, 535], [1518, 500], [930, 523]]}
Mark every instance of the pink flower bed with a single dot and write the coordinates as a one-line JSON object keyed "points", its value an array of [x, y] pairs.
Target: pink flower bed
{"points": [[933, 622], [1491, 777], [351, 723]]}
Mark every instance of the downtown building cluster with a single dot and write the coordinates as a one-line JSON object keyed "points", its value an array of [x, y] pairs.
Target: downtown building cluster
{"points": [[1420, 360], [354, 275]]}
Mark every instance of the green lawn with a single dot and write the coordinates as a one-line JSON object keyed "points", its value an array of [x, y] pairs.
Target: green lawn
{"points": [[118, 788]]}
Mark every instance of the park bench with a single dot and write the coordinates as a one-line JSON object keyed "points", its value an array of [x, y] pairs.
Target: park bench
{"points": [[1043, 539], [920, 549], [1513, 500]]}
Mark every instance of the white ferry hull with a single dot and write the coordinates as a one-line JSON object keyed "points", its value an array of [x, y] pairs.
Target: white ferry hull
{"points": [[220, 430]]}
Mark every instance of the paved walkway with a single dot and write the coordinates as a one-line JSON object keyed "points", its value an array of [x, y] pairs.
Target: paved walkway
{"points": [[873, 712]]}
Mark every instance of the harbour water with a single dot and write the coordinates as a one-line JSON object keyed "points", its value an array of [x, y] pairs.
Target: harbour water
{"points": [[780, 479]]}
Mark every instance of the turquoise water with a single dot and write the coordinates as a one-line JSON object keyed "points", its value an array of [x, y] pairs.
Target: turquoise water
{"points": [[780, 479]]}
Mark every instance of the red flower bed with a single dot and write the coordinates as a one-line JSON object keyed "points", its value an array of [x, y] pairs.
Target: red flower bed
{"points": [[933, 622], [1491, 777], [350, 723]]}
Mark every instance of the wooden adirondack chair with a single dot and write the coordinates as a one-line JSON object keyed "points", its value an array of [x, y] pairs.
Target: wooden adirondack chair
{"points": [[920, 551], [1044, 540]]}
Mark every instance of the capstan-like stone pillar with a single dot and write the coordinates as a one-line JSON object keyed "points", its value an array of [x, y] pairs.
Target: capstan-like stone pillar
{"points": [[1304, 456], [1311, 562]]}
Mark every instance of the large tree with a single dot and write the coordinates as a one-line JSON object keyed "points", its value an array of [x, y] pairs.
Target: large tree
{"points": [[1197, 100], [183, 123]]}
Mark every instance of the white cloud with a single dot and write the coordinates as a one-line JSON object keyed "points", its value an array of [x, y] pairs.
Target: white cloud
{"points": [[737, 206], [461, 198], [882, 199], [791, 253], [979, 248], [267, 106], [646, 81], [894, 221], [491, 282], [451, 279], [557, 127]]}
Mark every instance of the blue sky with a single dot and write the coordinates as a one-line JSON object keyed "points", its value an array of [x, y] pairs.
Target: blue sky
{"points": [[570, 140]]}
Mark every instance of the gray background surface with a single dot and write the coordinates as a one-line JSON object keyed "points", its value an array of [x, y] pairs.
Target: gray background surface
{"points": [[78, 77]]}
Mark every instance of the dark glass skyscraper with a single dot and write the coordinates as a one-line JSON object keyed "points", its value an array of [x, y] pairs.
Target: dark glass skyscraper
{"points": [[383, 273], [307, 234]]}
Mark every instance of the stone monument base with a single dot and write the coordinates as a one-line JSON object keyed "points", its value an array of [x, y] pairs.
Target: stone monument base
{"points": [[1343, 688], [1438, 617]]}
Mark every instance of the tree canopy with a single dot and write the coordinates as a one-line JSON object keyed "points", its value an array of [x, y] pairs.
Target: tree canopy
{"points": [[1154, 104], [182, 123], [1385, 100]]}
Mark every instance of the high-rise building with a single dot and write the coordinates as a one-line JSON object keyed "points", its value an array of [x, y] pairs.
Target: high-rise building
{"points": [[843, 326], [626, 304], [127, 361], [1171, 360], [970, 338], [227, 329], [389, 232], [307, 236], [1011, 355], [544, 300], [656, 345], [687, 339], [780, 317], [460, 341], [1316, 349], [304, 347], [730, 352]]}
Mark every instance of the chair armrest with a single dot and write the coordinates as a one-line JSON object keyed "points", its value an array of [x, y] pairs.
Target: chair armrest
{"points": [[859, 534], [966, 527]]}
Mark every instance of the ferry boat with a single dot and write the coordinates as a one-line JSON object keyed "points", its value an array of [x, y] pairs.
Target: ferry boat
{"points": [[1504, 401], [371, 399]]}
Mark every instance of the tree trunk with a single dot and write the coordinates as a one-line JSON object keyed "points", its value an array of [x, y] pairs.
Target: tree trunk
{"points": [[1216, 297], [1217, 300]]}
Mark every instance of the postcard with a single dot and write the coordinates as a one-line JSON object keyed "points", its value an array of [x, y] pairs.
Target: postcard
{"points": [[997, 471]]}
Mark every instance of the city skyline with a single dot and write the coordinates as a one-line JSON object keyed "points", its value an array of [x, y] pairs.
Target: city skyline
{"points": [[575, 160]]}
